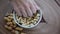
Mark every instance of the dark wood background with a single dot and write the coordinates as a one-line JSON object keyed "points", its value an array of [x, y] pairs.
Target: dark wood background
{"points": [[51, 14]]}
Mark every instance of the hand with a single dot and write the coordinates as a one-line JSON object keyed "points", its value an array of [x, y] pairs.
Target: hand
{"points": [[25, 8]]}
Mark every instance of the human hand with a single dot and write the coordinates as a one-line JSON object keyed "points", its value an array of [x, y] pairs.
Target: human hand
{"points": [[25, 8]]}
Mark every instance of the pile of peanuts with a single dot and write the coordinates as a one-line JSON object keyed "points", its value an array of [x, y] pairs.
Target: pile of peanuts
{"points": [[12, 26], [28, 21]]}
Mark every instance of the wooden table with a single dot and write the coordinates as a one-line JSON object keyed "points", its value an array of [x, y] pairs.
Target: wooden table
{"points": [[51, 13]]}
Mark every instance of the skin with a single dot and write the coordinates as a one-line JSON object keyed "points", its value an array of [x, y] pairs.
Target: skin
{"points": [[25, 8]]}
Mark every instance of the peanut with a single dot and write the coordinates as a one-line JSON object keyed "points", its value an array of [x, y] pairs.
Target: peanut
{"points": [[9, 23], [7, 27], [18, 28], [7, 19], [16, 32], [11, 17], [23, 33]]}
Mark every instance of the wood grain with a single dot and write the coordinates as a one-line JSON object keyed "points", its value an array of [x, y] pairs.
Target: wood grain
{"points": [[51, 13]]}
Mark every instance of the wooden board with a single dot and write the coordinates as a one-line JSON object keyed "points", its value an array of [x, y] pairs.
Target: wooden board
{"points": [[51, 13]]}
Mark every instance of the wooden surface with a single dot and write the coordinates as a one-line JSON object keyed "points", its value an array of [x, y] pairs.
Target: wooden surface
{"points": [[51, 13]]}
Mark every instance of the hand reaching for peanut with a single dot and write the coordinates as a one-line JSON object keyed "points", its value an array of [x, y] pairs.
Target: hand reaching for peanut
{"points": [[25, 8]]}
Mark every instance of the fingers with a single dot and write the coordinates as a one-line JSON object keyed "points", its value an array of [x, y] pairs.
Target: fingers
{"points": [[21, 7], [34, 3], [32, 7], [23, 11], [27, 8], [16, 8]]}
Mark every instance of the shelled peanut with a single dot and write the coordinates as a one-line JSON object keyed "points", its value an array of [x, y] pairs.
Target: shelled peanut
{"points": [[11, 25]]}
